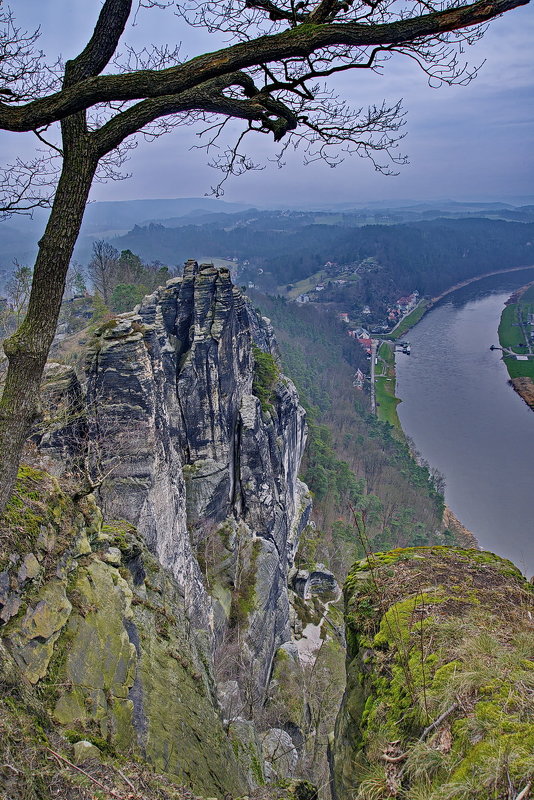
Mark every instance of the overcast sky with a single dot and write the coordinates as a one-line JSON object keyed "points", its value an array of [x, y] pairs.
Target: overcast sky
{"points": [[471, 142]]}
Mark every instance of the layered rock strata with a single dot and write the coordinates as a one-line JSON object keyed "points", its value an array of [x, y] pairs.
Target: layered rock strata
{"points": [[199, 449]]}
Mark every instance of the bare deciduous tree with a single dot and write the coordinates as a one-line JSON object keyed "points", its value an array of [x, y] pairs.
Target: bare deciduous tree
{"points": [[18, 290], [269, 76], [102, 267]]}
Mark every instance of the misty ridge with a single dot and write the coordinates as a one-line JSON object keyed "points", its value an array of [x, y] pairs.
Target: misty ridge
{"points": [[430, 245]]}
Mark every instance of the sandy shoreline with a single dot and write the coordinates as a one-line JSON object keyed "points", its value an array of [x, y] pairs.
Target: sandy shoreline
{"points": [[525, 389]]}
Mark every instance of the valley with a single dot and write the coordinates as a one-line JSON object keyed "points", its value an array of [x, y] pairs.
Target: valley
{"points": [[207, 472]]}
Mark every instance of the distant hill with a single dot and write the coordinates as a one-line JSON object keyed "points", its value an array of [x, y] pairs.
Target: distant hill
{"points": [[128, 224], [284, 248], [102, 220]]}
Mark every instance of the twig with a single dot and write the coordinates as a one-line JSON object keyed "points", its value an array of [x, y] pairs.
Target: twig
{"points": [[123, 776], [438, 721], [87, 775], [11, 767], [524, 792], [422, 650]]}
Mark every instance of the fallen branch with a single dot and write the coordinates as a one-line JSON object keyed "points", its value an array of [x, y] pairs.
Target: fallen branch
{"points": [[111, 792], [524, 792], [125, 779], [438, 721], [429, 729], [393, 759]]}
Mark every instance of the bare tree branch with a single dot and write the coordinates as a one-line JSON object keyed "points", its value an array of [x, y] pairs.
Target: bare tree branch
{"points": [[297, 42], [102, 44], [25, 186]]}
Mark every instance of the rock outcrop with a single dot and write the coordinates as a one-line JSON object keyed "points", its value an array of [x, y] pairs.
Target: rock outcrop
{"points": [[101, 649], [200, 439], [319, 581], [156, 632], [439, 678]]}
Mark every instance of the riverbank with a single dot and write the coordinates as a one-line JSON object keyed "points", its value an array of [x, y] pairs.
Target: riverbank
{"points": [[386, 400], [425, 304], [458, 409], [516, 337], [410, 319], [386, 411], [521, 372]]}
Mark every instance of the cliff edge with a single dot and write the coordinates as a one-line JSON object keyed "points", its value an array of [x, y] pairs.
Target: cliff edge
{"points": [[439, 678]]}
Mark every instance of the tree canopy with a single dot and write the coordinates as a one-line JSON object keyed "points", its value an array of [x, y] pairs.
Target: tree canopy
{"points": [[270, 75]]}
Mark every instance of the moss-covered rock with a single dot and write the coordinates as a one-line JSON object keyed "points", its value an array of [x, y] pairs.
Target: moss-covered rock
{"points": [[101, 634], [33, 637], [440, 674]]}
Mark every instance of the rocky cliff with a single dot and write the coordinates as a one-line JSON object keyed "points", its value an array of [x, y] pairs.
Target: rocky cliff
{"points": [[200, 439], [96, 647], [439, 678], [154, 629], [189, 438]]}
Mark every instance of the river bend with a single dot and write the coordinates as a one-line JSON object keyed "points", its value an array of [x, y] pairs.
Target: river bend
{"points": [[468, 422]]}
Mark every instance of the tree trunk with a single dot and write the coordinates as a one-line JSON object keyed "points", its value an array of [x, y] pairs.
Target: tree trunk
{"points": [[27, 349]]}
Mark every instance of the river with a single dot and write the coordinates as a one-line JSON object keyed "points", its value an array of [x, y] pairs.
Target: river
{"points": [[467, 421]]}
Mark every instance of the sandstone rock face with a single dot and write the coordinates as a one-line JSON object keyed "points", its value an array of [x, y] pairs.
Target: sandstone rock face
{"points": [[205, 468], [319, 581], [280, 754], [102, 647], [62, 424]]}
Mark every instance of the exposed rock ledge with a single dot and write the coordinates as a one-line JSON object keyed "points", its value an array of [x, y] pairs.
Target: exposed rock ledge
{"points": [[439, 678], [463, 534]]}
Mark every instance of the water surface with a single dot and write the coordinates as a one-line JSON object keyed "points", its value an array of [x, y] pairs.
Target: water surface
{"points": [[468, 422]]}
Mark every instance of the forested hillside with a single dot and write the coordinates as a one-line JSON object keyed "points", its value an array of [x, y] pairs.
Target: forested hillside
{"points": [[430, 255], [352, 461]]}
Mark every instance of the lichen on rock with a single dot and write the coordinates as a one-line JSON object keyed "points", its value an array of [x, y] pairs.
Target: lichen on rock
{"points": [[109, 649]]}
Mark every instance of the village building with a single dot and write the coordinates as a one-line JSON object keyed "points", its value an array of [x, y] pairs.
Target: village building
{"points": [[406, 304], [366, 343], [361, 332]]}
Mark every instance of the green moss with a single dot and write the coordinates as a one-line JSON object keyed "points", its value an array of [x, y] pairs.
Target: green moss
{"points": [[106, 326], [257, 770], [397, 624], [224, 531], [38, 508], [307, 611], [435, 631], [266, 374], [244, 595], [103, 745], [69, 658]]}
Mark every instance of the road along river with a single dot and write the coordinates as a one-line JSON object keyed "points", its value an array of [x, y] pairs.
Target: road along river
{"points": [[467, 421]]}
